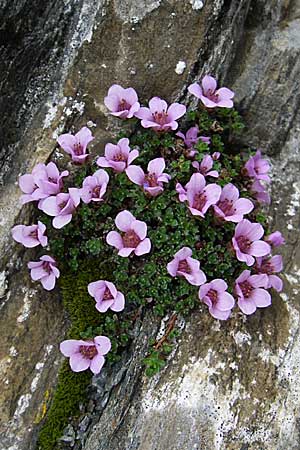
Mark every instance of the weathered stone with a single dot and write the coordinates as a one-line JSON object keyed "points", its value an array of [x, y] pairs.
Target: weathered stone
{"points": [[234, 386]]}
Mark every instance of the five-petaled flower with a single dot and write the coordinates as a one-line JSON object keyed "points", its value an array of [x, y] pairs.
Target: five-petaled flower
{"points": [[61, 207], [86, 354], [199, 195], [256, 167], [31, 235], [210, 96], [275, 239], [133, 237], [151, 182], [251, 292], [94, 187], [205, 167], [159, 116], [260, 193], [183, 265], [118, 156], [219, 302], [122, 102], [191, 137], [107, 296], [230, 207], [76, 146], [43, 181], [270, 266], [247, 243], [44, 271]]}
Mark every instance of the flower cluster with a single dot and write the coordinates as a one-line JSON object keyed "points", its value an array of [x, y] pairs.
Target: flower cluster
{"points": [[204, 193]]}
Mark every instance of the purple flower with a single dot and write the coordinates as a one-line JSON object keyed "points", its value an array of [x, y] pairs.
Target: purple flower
{"points": [[260, 193], [44, 271], [219, 302], [191, 138], [216, 155], [106, 295], [152, 182], [86, 354], [122, 102], [94, 187], [76, 145], [258, 168], [230, 207], [275, 239], [30, 236], [61, 207], [199, 195], [43, 181], [118, 156], [210, 96], [247, 243], [133, 237], [250, 294], [270, 266], [159, 116], [205, 167], [183, 265]]}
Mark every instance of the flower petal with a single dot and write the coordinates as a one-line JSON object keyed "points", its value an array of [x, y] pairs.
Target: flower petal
{"points": [[124, 220], [143, 247]]}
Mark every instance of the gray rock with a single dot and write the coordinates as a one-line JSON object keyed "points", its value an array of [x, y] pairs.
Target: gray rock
{"points": [[234, 386]]}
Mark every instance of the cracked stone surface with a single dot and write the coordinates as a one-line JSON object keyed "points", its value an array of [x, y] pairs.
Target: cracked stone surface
{"points": [[233, 386]]}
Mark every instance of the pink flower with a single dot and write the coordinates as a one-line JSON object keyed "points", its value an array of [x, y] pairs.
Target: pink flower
{"points": [[250, 293], [247, 243], [133, 237], [258, 168], [94, 187], [76, 145], [44, 180], [183, 265], [122, 102], [106, 295], [270, 266], [210, 96], [275, 239], [191, 138], [260, 193], [199, 195], [219, 302], [230, 207], [118, 156], [216, 156], [205, 167], [86, 354], [61, 207], [159, 116], [44, 271], [30, 236], [152, 182]]}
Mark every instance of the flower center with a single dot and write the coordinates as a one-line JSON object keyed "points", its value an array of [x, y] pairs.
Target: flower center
{"points": [[160, 117], [131, 239], [213, 296], [120, 157], [183, 266], [150, 180], [46, 267], [78, 149], [96, 192], [123, 105], [226, 207], [107, 295], [267, 268], [88, 351], [199, 201], [52, 180], [212, 95], [34, 234], [246, 288], [244, 243], [62, 205]]}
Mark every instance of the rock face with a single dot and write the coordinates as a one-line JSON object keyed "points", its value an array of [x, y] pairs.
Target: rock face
{"points": [[234, 386]]}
